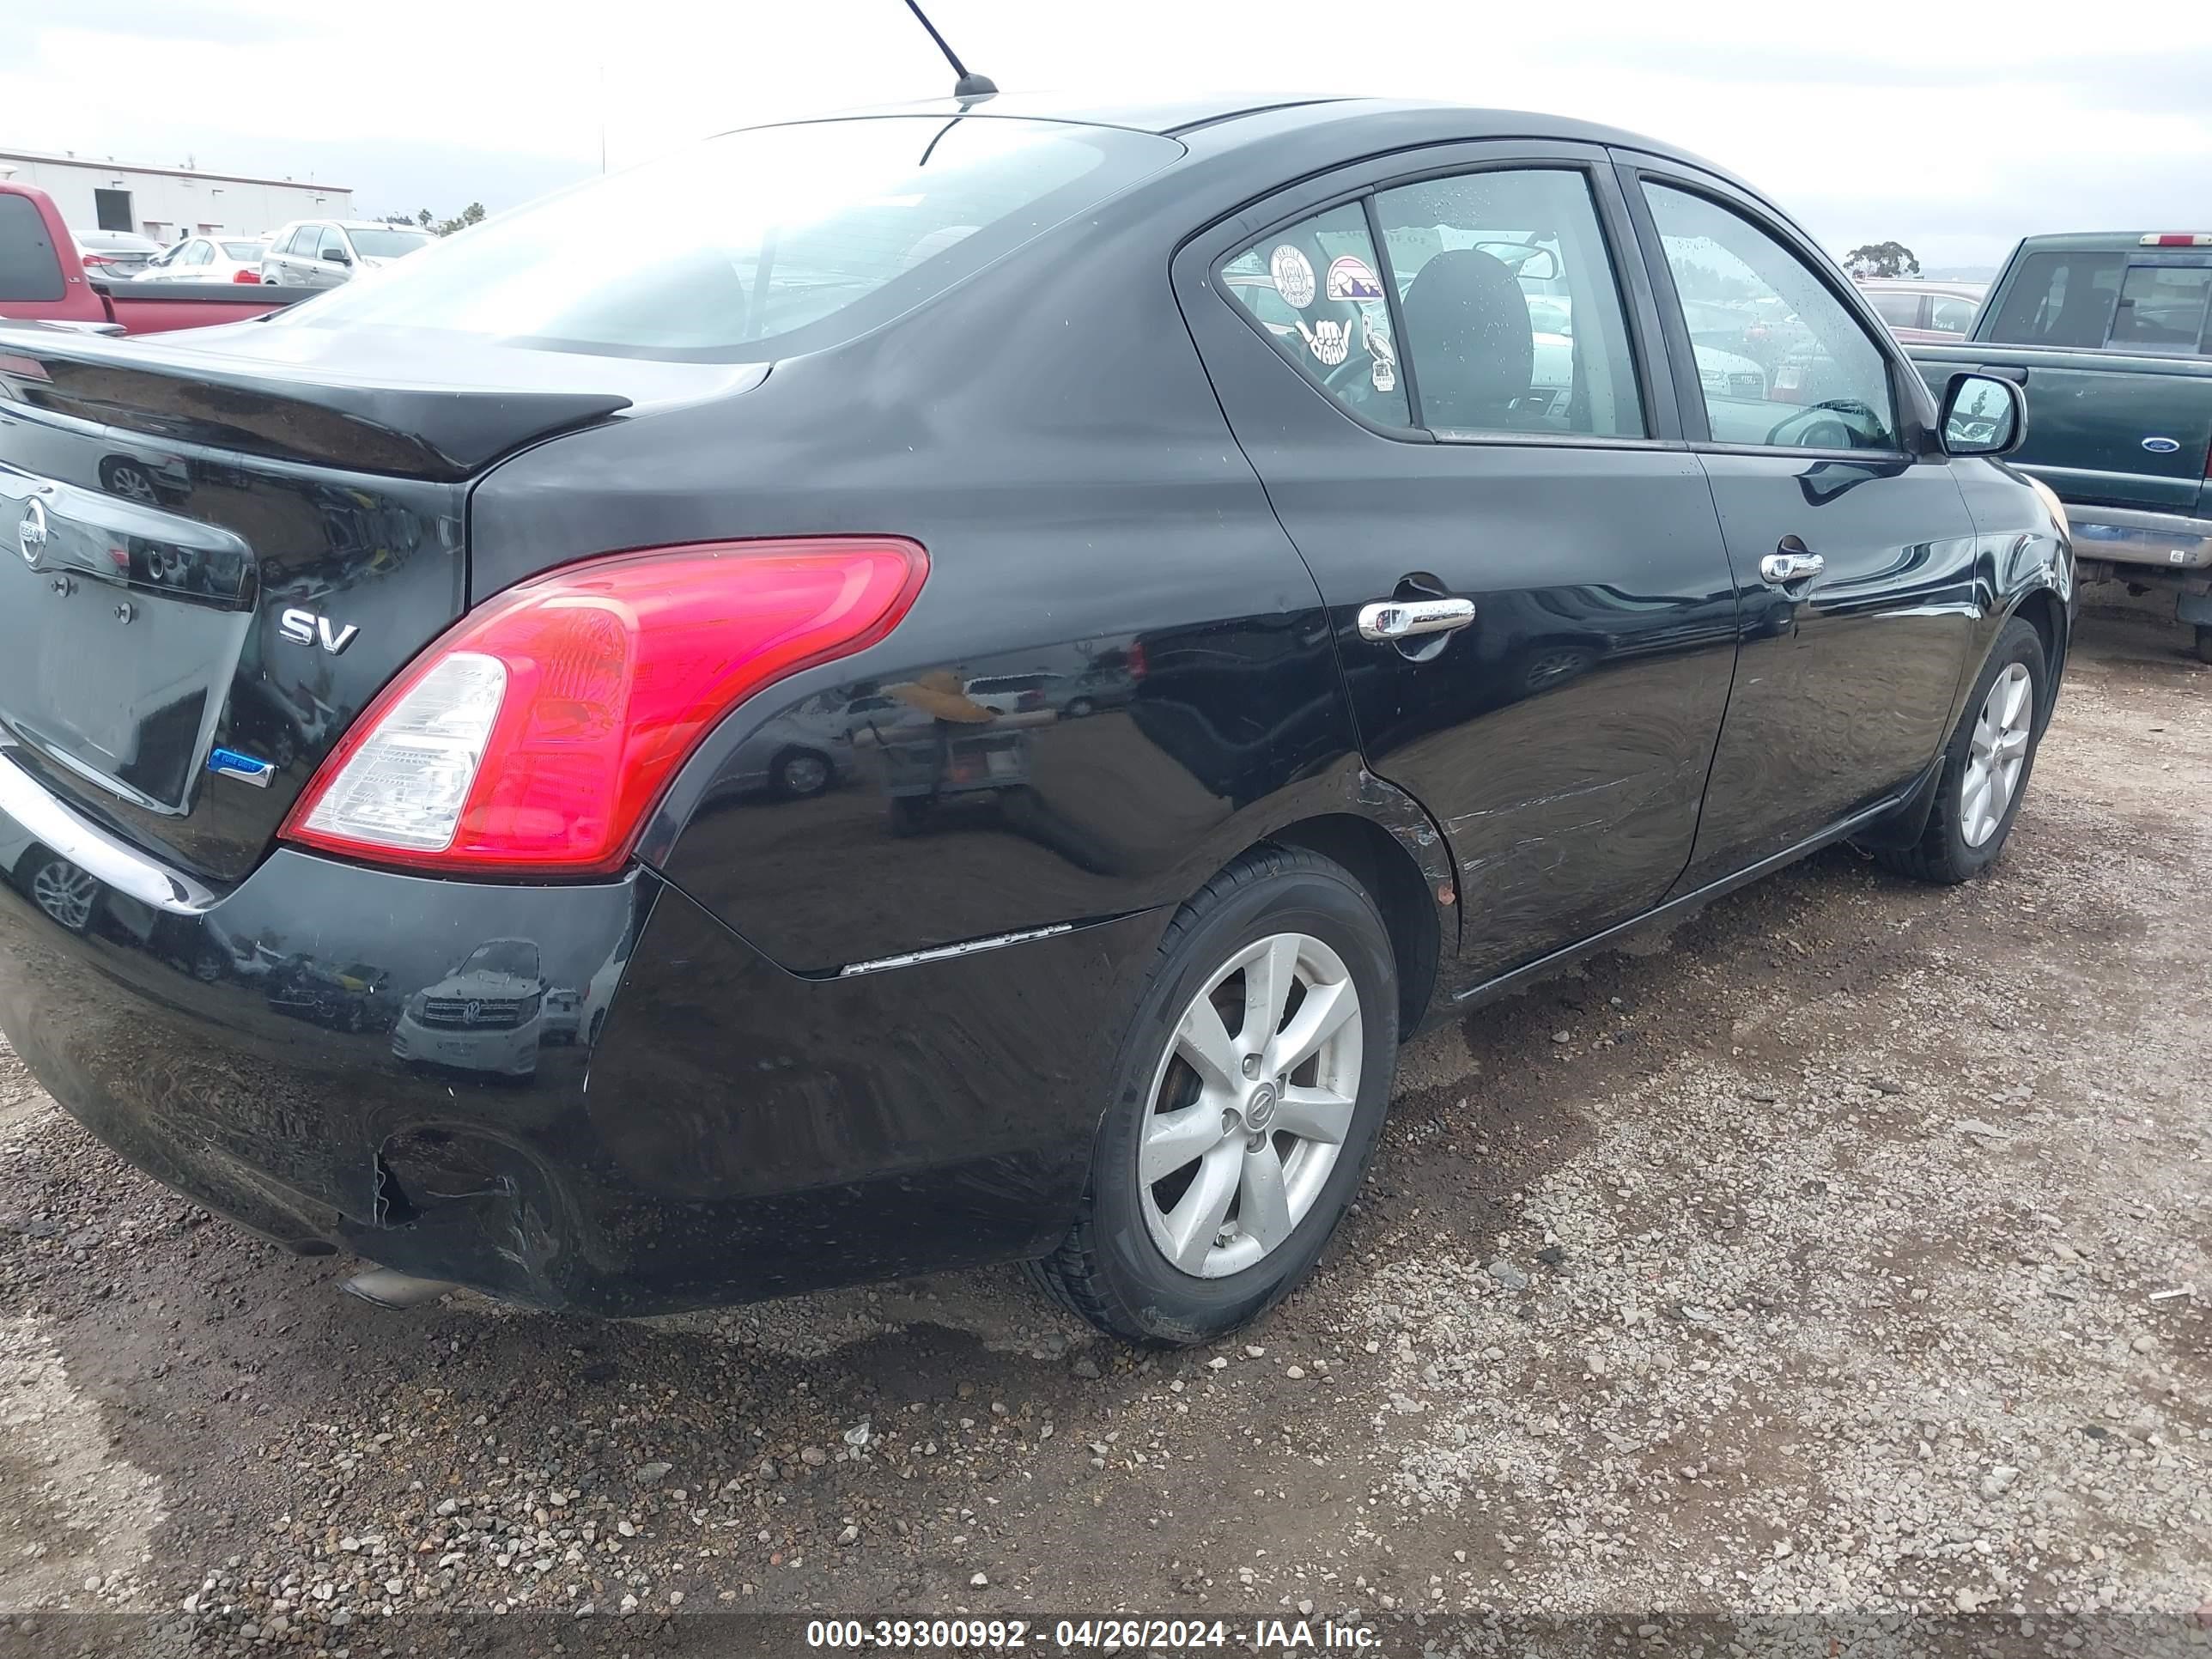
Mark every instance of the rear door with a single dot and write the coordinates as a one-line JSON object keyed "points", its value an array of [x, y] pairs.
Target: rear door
{"points": [[1433, 363], [1853, 554]]}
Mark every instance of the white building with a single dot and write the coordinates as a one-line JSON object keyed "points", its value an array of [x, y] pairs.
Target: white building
{"points": [[169, 203]]}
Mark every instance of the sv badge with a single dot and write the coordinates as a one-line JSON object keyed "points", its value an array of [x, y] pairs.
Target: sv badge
{"points": [[306, 628]]}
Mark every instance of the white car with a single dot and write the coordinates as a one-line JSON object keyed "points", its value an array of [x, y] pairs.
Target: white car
{"points": [[488, 1015], [1012, 694], [207, 259]]}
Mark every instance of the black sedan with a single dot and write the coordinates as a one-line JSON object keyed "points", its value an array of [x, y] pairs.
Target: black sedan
{"points": [[1418, 605]]}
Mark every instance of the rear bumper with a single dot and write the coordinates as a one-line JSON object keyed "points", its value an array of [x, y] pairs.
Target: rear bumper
{"points": [[733, 1131], [2168, 541]]}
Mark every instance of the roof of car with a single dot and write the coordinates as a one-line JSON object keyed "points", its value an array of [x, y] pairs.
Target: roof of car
{"points": [[1963, 290], [1228, 122], [350, 224], [1220, 114]]}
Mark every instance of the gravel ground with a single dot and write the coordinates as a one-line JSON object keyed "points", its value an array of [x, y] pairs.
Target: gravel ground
{"points": [[1841, 1253]]}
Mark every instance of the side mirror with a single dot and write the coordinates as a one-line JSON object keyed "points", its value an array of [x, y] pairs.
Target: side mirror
{"points": [[338, 256], [1983, 416]]}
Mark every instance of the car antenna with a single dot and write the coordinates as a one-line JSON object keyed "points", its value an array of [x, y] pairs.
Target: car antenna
{"points": [[970, 85]]}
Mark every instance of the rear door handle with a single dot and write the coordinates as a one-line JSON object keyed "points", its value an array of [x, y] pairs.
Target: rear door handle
{"points": [[1791, 562], [1401, 619]]}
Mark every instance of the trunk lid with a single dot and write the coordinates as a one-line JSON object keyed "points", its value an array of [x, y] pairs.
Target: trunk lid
{"points": [[209, 563]]}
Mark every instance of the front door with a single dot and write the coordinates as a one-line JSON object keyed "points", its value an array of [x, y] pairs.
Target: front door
{"points": [[1853, 552], [1431, 365]]}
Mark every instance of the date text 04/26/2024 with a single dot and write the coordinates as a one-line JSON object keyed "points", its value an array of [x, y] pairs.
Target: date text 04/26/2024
{"points": [[1078, 1635]]}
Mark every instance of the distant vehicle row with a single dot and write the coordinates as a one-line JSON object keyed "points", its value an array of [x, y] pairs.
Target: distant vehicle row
{"points": [[48, 275]]}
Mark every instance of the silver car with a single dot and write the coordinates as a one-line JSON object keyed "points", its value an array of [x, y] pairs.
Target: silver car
{"points": [[324, 252], [112, 254]]}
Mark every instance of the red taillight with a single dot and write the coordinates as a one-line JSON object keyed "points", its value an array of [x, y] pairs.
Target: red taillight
{"points": [[245, 276], [535, 736], [92, 259], [2176, 238]]}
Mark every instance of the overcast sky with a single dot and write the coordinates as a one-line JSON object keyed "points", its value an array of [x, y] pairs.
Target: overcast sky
{"points": [[1953, 129]]}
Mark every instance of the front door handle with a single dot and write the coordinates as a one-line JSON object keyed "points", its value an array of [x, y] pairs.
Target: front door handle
{"points": [[1401, 619], [1788, 564]]}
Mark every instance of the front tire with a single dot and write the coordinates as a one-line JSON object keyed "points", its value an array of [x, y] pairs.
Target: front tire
{"points": [[1247, 1095], [1986, 765]]}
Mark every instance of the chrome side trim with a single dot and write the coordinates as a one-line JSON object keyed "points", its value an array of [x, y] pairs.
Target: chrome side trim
{"points": [[92, 850], [944, 952]]}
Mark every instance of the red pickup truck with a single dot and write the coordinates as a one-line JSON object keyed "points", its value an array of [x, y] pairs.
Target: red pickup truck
{"points": [[43, 279]]}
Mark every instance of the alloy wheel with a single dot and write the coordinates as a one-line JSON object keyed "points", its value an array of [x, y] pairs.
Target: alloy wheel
{"points": [[133, 484], [1997, 754], [65, 893], [1250, 1105]]}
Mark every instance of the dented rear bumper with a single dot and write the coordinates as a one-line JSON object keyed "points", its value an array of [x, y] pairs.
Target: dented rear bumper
{"points": [[712, 1129]]}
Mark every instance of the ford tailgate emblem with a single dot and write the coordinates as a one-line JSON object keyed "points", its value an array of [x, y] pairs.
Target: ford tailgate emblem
{"points": [[2161, 446], [31, 534]]}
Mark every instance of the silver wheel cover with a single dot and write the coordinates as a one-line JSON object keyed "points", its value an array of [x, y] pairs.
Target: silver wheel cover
{"points": [[1996, 755], [1250, 1105]]}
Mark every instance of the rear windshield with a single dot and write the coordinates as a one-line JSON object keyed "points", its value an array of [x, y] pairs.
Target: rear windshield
{"points": [[2063, 298], [242, 250], [388, 243], [28, 270], [770, 241]]}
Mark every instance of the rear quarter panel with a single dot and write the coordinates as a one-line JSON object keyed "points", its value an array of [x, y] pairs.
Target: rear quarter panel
{"points": [[1048, 433]]}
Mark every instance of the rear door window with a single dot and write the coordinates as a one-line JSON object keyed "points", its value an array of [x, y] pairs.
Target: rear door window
{"points": [[762, 243], [1314, 288], [1511, 315], [2162, 307], [1948, 314], [2061, 297], [1898, 310], [29, 270]]}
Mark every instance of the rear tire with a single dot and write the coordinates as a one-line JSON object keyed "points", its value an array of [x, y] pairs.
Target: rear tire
{"points": [[1986, 765], [1252, 1181], [802, 774], [2203, 642]]}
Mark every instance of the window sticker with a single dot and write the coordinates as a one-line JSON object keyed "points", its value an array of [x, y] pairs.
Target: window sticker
{"points": [[1293, 275], [1350, 277], [1329, 341], [1376, 340]]}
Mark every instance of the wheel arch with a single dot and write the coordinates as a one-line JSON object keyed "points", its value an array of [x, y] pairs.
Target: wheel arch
{"points": [[1401, 890], [2045, 610], [1392, 847]]}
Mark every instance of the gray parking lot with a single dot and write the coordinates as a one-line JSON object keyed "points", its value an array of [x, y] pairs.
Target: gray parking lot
{"points": [[1844, 1249]]}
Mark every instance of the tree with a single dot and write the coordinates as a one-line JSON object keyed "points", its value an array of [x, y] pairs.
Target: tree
{"points": [[1881, 259], [473, 214]]}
